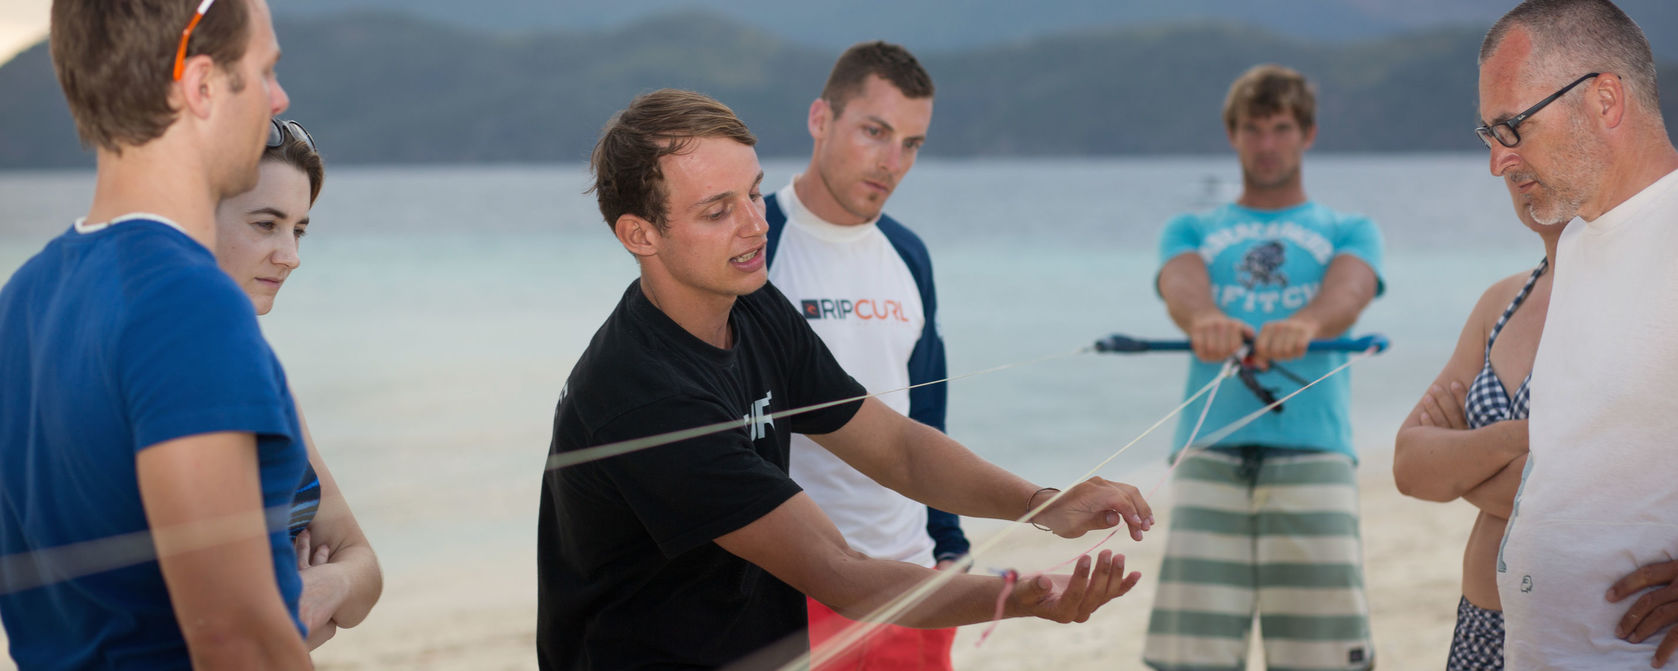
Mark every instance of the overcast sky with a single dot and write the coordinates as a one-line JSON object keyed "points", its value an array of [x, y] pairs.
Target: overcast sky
{"points": [[22, 23]]}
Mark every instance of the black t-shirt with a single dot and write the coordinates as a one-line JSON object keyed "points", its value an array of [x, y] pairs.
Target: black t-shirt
{"points": [[629, 577]]}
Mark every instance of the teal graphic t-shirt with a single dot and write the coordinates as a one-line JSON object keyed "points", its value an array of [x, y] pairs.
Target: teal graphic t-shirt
{"points": [[1264, 265]]}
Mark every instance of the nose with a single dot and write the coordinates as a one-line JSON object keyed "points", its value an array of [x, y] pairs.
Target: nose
{"points": [[286, 254], [1502, 159], [891, 158], [756, 224], [278, 101]]}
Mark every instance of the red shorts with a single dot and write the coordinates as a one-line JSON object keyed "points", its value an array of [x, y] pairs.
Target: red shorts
{"points": [[888, 648]]}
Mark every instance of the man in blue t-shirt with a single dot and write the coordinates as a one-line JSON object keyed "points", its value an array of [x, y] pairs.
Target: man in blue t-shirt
{"points": [[148, 446], [1266, 519]]}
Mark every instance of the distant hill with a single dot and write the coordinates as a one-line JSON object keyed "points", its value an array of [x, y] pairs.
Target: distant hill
{"points": [[388, 88], [943, 25]]}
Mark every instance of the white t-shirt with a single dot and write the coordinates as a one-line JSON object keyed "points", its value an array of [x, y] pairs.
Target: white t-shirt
{"points": [[868, 311], [1600, 494]]}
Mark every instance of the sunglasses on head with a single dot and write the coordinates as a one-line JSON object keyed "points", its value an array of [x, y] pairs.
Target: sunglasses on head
{"points": [[180, 53], [278, 130]]}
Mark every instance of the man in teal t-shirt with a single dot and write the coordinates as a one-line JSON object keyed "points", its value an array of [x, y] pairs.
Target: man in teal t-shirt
{"points": [[1266, 519]]}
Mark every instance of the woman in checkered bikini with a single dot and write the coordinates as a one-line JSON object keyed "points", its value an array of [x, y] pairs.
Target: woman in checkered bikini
{"points": [[1467, 438]]}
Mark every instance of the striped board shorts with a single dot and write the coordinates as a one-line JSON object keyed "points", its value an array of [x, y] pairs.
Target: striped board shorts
{"points": [[1269, 532]]}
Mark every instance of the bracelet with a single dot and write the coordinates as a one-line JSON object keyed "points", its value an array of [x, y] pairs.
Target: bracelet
{"points": [[1029, 507]]}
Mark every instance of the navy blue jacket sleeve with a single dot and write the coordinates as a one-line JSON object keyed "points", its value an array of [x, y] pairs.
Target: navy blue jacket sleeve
{"points": [[926, 363]]}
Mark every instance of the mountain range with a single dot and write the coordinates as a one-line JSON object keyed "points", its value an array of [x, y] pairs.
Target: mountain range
{"points": [[381, 87]]}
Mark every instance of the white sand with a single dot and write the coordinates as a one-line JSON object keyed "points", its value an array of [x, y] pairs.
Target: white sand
{"points": [[483, 617]]}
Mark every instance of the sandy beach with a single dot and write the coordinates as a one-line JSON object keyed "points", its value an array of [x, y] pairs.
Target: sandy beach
{"points": [[482, 616]]}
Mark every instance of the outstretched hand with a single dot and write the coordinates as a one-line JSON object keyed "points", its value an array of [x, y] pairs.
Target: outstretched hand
{"points": [[1094, 504], [1072, 598]]}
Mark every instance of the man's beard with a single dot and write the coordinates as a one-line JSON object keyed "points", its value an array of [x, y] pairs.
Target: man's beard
{"points": [[1579, 171]]}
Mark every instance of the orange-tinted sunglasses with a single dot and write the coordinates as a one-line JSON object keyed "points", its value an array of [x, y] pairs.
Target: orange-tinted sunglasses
{"points": [[180, 54]]}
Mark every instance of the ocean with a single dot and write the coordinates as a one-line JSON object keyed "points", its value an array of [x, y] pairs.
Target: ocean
{"points": [[439, 309]]}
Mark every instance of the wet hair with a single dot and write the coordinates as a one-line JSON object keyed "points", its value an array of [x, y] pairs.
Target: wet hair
{"points": [[625, 162], [884, 60], [297, 154], [1573, 37], [1269, 89], [115, 61]]}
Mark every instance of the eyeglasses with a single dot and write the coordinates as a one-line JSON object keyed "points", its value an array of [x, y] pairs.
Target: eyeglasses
{"points": [[1505, 132], [278, 130], [180, 53]]}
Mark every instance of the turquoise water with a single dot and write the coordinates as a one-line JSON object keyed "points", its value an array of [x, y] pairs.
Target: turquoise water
{"points": [[439, 310]]}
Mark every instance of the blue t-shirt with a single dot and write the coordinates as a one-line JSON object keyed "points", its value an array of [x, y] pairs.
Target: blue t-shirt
{"points": [[110, 342], [1264, 265]]}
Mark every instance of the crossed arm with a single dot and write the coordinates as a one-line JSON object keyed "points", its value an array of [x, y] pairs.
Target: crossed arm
{"points": [[798, 544], [203, 501], [1436, 457], [341, 576]]}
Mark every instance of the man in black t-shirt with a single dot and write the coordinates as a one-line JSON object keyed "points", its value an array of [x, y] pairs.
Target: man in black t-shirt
{"points": [[694, 554]]}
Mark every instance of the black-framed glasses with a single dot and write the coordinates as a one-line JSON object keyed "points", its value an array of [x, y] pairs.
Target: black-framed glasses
{"points": [[1505, 131], [278, 130]]}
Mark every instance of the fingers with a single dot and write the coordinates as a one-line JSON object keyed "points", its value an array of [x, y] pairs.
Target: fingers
{"points": [[1216, 337], [1649, 575], [1427, 419], [1663, 654], [1283, 340], [1432, 408], [1107, 582], [1073, 600], [301, 545], [1656, 618], [1452, 403], [323, 553], [1102, 504]]}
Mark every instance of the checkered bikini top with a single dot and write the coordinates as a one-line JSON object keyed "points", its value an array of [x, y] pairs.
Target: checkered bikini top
{"points": [[1488, 400]]}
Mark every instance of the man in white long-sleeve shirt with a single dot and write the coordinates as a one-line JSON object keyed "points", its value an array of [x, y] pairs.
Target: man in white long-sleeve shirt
{"points": [[863, 282]]}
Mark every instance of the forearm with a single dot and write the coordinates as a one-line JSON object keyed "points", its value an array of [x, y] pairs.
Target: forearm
{"points": [[203, 503], [877, 583], [1496, 496], [1347, 288], [945, 475], [1439, 464], [1187, 290]]}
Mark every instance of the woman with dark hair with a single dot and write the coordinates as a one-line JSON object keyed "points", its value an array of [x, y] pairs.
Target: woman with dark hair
{"points": [[257, 236]]}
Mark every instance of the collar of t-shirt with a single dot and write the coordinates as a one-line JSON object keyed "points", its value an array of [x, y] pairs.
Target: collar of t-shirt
{"points": [[642, 310], [84, 228], [803, 218], [1662, 189]]}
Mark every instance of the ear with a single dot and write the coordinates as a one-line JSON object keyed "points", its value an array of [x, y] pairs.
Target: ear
{"points": [[1310, 136], [637, 235], [1607, 99], [193, 93], [820, 113]]}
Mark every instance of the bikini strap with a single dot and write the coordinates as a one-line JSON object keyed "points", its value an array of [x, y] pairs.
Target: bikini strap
{"points": [[1515, 304]]}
